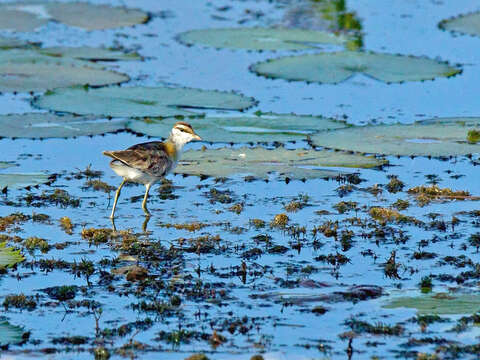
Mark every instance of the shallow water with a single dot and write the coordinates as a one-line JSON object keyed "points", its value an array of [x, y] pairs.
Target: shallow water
{"points": [[273, 297]]}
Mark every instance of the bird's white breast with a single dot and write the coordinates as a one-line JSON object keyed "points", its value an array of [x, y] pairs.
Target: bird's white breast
{"points": [[132, 174]]}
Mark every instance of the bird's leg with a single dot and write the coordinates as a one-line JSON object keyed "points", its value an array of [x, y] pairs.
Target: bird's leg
{"points": [[117, 194], [144, 203]]}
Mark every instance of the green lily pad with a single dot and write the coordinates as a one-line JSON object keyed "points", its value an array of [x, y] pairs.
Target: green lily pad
{"points": [[19, 181], [440, 303], [10, 43], [9, 257], [260, 38], [5, 164], [139, 101], [435, 137], [30, 15], [88, 53], [27, 70], [465, 24], [9, 334], [266, 127], [334, 68], [260, 162], [47, 125]]}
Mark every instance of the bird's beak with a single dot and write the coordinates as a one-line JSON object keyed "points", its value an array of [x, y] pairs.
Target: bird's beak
{"points": [[196, 137]]}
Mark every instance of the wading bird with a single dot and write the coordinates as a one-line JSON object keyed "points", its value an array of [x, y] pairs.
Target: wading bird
{"points": [[149, 162]]}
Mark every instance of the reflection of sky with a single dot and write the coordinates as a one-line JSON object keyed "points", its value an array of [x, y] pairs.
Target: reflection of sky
{"points": [[407, 27]]}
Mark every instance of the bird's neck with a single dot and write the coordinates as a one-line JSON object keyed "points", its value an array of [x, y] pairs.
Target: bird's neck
{"points": [[174, 146]]}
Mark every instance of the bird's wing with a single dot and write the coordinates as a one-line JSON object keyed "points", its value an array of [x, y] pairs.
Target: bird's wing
{"points": [[151, 158]]}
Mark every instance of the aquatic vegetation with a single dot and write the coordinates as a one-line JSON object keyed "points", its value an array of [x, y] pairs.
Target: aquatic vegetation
{"points": [[261, 162], [139, 101], [439, 303], [258, 127], [12, 335], [426, 284], [19, 181], [58, 197], [379, 328], [98, 236], [198, 357], [99, 185], [9, 257], [67, 225], [334, 68], [473, 136], [401, 204], [279, 221], [40, 75], [194, 226], [424, 195], [46, 125], [386, 215], [19, 301], [436, 137], [30, 15], [61, 293], [88, 53], [260, 39], [222, 196], [6, 222], [394, 185], [345, 206], [464, 24], [33, 243], [328, 229], [257, 223], [236, 208]]}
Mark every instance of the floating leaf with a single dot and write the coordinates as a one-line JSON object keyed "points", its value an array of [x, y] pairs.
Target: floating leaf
{"points": [[47, 125], [19, 181], [9, 334], [9, 257], [435, 137], [30, 15], [465, 24], [139, 101], [88, 53], [4, 164], [266, 127], [440, 303], [333, 68], [260, 38], [260, 162], [27, 70], [329, 15], [9, 43]]}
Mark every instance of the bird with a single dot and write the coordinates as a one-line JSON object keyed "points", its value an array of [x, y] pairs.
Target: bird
{"points": [[147, 163]]}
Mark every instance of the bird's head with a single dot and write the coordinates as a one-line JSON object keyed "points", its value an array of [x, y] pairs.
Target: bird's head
{"points": [[183, 133]]}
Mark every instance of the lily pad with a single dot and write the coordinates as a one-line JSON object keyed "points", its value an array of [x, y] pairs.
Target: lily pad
{"points": [[334, 68], [465, 24], [435, 137], [260, 38], [9, 257], [88, 53], [19, 181], [267, 127], [260, 162], [139, 101], [27, 70], [30, 15], [440, 303], [10, 43], [9, 334], [47, 125], [5, 164]]}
